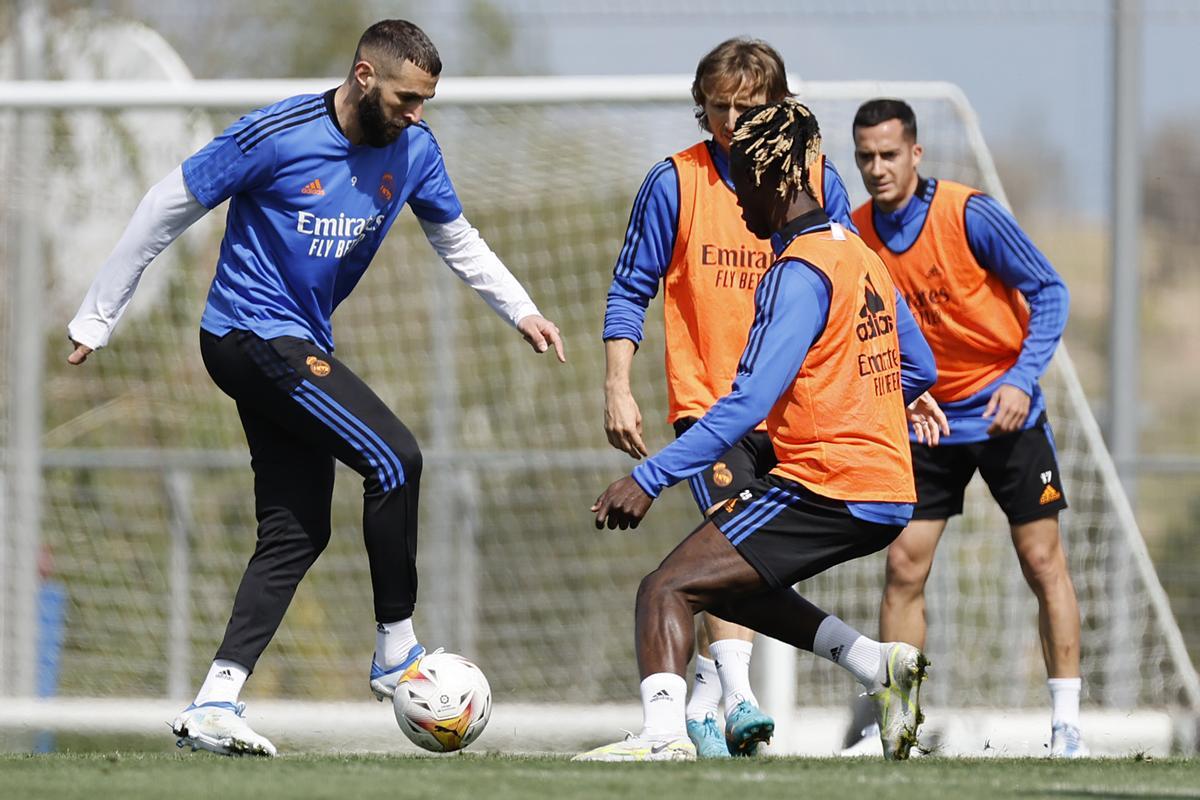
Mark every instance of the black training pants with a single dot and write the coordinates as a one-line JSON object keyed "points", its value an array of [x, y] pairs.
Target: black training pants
{"points": [[301, 408]]}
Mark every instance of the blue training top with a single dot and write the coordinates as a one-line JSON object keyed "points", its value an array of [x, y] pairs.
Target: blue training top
{"points": [[800, 309], [1001, 247], [308, 211]]}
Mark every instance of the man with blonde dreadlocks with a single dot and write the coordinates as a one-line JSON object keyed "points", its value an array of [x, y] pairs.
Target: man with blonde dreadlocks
{"points": [[685, 232], [833, 357]]}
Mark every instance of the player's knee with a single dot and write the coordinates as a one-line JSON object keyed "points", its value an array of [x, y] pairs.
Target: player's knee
{"points": [[657, 586], [404, 466], [412, 461], [1043, 562], [906, 571], [302, 532]]}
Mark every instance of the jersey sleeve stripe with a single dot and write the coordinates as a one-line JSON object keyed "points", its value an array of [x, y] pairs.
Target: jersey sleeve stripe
{"points": [[762, 319], [637, 220], [284, 126], [1007, 229], [253, 129]]}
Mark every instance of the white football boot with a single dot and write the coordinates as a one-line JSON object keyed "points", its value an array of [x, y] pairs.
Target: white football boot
{"points": [[1066, 741], [641, 748], [219, 728], [896, 694], [383, 681]]}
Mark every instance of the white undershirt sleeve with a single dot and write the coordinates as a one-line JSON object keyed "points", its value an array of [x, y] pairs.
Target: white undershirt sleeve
{"points": [[166, 211], [470, 258]]}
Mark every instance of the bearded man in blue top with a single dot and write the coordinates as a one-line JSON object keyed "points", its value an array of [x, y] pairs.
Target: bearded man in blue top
{"points": [[314, 183]]}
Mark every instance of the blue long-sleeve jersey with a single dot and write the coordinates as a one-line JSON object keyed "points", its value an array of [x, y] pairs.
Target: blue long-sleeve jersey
{"points": [[782, 340], [1001, 247], [650, 240]]}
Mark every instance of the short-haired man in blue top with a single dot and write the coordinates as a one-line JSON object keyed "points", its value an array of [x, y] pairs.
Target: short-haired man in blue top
{"points": [[314, 184]]}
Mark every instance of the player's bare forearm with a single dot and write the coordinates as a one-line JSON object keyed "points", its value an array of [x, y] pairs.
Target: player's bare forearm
{"points": [[622, 417], [622, 505]]}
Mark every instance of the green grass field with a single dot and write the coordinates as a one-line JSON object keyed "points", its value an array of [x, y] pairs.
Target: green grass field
{"points": [[121, 776]]}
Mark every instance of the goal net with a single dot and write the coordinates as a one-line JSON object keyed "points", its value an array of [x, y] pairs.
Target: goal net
{"points": [[142, 516]]}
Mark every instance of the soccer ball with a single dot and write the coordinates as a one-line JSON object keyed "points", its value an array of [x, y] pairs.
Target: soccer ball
{"points": [[445, 705]]}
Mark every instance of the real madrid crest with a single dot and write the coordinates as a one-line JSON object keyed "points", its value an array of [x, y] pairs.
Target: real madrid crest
{"points": [[319, 368]]}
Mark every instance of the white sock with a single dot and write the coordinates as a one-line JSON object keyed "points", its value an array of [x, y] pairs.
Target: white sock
{"points": [[732, 657], [393, 640], [706, 690], [223, 684], [1064, 700], [663, 694], [841, 644]]}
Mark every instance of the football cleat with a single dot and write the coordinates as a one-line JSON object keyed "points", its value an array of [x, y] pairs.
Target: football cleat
{"points": [[383, 681], [1066, 741], [219, 728], [707, 736], [896, 695], [642, 748], [746, 727]]}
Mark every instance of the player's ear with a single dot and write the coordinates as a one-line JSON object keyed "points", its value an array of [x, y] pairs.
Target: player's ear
{"points": [[917, 151], [365, 75]]}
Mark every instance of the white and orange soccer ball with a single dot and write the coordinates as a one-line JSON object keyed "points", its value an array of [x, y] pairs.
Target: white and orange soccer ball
{"points": [[444, 704]]}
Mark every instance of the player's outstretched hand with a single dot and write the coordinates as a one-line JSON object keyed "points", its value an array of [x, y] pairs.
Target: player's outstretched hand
{"points": [[1008, 409], [541, 334], [623, 423], [928, 420], [622, 505], [80, 354]]}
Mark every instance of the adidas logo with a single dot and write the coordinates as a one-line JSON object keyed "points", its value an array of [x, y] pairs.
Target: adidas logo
{"points": [[661, 694], [700, 678], [875, 323], [934, 272], [1049, 495], [313, 188], [836, 652], [225, 674]]}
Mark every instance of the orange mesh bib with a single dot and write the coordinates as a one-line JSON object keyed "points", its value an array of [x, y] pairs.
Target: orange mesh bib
{"points": [[841, 430], [974, 324], [708, 292]]}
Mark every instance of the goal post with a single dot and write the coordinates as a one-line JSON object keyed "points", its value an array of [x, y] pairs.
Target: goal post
{"points": [[144, 512]]}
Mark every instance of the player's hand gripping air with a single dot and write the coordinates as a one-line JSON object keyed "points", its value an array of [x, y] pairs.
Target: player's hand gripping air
{"points": [[622, 505], [1008, 409], [541, 334], [928, 420]]}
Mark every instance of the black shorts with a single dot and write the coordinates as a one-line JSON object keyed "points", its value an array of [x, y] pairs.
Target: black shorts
{"points": [[745, 462], [789, 533], [1020, 469]]}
